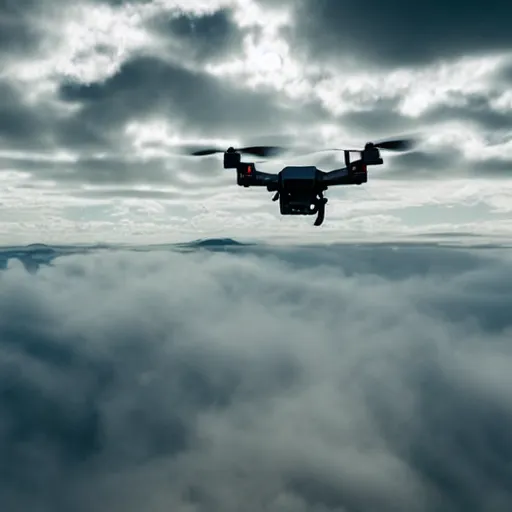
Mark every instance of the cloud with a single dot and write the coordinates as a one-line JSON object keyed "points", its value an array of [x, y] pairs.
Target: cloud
{"points": [[148, 86], [15, 34], [477, 109], [398, 35], [204, 37], [21, 127], [146, 90], [446, 164], [99, 170], [311, 379]]}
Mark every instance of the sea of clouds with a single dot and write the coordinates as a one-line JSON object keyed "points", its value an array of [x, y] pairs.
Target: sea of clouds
{"points": [[257, 378]]}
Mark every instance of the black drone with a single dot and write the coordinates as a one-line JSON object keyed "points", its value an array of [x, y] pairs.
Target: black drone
{"points": [[300, 189]]}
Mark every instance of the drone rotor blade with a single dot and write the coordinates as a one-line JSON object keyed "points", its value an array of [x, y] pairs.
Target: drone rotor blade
{"points": [[396, 145], [391, 145], [262, 151], [273, 151], [205, 152]]}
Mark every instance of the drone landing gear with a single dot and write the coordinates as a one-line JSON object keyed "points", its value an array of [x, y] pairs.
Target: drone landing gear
{"points": [[320, 203]]}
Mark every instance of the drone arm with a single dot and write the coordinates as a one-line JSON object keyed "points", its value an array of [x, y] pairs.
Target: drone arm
{"points": [[266, 178], [354, 174], [250, 177], [336, 177]]}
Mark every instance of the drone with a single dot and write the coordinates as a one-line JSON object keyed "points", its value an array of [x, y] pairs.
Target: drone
{"points": [[300, 189]]}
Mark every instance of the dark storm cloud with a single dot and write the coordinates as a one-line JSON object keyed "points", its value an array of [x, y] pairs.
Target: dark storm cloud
{"points": [[41, 128], [146, 86], [399, 33], [286, 379], [21, 126]]}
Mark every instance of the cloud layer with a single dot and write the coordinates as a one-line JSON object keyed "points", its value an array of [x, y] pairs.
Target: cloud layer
{"points": [[308, 379]]}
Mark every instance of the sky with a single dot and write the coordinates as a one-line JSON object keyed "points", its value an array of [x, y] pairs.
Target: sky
{"points": [[98, 97]]}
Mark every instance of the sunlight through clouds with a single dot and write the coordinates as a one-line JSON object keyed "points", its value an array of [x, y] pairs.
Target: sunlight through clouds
{"points": [[267, 58]]}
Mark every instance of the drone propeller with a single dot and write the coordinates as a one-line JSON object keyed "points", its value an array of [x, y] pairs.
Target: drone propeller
{"points": [[262, 151], [272, 151], [396, 145], [389, 145]]}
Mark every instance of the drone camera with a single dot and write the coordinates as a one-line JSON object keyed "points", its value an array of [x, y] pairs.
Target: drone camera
{"points": [[231, 160]]}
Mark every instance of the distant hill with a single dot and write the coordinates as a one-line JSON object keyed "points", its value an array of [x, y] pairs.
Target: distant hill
{"points": [[34, 255], [215, 242]]}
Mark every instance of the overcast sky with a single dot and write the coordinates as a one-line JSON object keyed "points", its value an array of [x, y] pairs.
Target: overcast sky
{"points": [[95, 94]]}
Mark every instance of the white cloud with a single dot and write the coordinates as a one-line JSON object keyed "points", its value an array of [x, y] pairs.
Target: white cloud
{"points": [[323, 379], [267, 59], [343, 90], [89, 42]]}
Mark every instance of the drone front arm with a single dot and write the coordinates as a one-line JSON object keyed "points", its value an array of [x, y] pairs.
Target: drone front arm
{"points": [[248, 176], [265, 179]]}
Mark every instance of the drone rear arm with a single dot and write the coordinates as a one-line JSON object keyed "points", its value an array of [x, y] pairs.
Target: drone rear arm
{"points": [[336, 177], [345, 176]]}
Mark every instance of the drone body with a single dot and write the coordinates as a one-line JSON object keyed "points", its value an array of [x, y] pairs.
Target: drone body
{"points": [[300, 189]]}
